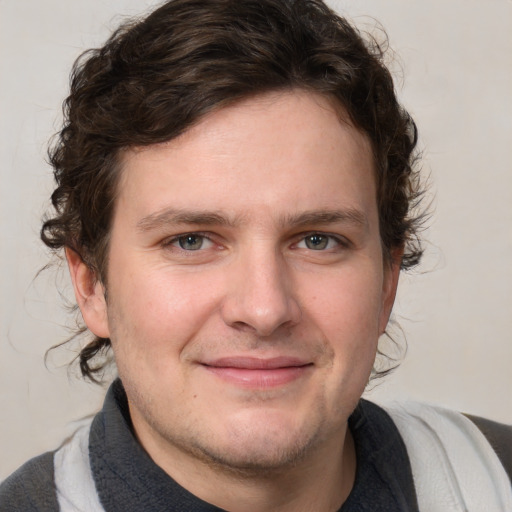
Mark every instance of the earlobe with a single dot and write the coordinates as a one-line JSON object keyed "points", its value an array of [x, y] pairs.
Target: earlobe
{"points": [[89, 293], [390, 285]]}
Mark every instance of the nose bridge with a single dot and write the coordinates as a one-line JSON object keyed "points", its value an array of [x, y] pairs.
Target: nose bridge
{"points": [[261, 294]]}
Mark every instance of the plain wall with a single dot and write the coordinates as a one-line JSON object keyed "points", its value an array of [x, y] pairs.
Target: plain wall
{"points": [[454, 71]]}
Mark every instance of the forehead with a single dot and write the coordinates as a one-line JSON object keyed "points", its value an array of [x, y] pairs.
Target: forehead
{"points": [[288, 151]]}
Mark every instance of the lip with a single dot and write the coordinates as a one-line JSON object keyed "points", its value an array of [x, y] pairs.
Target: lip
{"points": [[258, 373]]}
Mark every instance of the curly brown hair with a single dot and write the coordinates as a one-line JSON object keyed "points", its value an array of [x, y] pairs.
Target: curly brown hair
{"points": [[156, 77]]}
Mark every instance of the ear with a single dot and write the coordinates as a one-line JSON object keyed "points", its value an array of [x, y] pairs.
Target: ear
{"points": [[89, 293], [389, 286]]}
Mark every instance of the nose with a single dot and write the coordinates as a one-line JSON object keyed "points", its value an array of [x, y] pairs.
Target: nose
{"points": [[260, 295]]}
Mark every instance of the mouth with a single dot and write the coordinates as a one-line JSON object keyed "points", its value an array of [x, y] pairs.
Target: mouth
{"points": [[258, 373]]}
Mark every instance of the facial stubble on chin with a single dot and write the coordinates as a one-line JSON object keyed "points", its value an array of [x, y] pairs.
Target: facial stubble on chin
{"points": [[273, 459]]}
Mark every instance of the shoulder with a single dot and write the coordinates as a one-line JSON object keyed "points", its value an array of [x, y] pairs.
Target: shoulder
{"points": [[440, 423], [31, 488], [450, 454], [499, 436], [439, 420]]}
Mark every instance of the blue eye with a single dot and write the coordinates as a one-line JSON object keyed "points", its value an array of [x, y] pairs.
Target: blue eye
{"points": [[192, 242], [318, 242]]}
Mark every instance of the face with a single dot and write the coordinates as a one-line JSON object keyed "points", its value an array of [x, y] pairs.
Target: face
{"points": [[246, 284]]}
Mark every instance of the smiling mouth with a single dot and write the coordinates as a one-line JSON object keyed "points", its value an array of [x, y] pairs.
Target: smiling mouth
{"points": [[258, 373]]}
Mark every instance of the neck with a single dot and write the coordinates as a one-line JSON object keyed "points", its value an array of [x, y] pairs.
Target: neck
{"points": [[321, 481]]}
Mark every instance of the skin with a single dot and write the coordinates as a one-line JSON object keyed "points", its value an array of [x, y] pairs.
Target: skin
{"points": [[246, 294]]}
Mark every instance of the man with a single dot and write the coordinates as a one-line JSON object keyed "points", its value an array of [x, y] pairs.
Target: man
{"points": [[234, 192]]}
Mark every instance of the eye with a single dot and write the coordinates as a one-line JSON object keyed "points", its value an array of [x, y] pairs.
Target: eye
{"points": [[318, 242], [191, 242]]}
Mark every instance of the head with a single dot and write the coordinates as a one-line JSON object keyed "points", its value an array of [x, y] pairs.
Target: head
{"points": [[157, 78], [234, 194]]}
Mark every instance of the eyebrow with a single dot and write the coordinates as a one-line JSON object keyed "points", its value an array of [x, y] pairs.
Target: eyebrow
{"points": [[346, 216], [171, 216]]}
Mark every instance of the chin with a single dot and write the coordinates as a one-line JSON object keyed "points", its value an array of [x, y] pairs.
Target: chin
{"points": [[263, 444], [256, 456]]}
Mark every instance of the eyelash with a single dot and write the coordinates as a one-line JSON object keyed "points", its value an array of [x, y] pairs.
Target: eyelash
{"points": [[175, 239], [340, 241]]}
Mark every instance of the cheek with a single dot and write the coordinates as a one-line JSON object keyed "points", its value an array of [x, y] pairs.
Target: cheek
{"points": [[156, 313], [347, 309], [349, 302], [347, 315]]}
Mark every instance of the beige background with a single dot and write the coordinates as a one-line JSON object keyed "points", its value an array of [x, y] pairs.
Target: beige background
{"points": [[455, 76]]}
